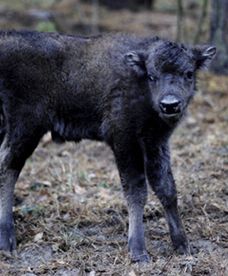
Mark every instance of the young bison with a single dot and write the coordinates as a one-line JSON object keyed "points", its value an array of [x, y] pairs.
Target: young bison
{"points": [[128, 91]]}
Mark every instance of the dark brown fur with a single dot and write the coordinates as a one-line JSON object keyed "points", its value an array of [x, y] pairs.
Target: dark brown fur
{"points": [[127, 91]]}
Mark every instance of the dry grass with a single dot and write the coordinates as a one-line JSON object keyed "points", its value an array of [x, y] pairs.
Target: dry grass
{"points": [[71, 217]]}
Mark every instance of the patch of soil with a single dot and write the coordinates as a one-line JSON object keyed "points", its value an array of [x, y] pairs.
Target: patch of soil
{"points": [[71, 217]]}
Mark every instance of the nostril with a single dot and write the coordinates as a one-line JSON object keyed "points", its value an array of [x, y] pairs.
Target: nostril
{"points": [[170, 108], [170, 105]]}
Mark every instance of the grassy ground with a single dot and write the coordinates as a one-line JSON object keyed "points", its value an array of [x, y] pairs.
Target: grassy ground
{"points": [[71, 218]]}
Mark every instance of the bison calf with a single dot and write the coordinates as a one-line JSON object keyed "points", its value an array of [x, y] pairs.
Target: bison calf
{"points": [[128, 91]]}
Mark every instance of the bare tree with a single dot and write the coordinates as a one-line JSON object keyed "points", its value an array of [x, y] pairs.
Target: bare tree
{"points": [[129, 4], [201, 21], [180, 16], [95, 16], [219, 34]]}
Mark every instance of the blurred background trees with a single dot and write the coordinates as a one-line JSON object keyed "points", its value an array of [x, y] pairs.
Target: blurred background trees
{"points": [[217, 29], [188, 21], [127, 4], [219, 34]]}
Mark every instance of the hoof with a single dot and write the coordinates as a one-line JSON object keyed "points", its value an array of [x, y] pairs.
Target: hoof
{"points": [[7, 238], [183, 248], [139, 258], [181, 244]]}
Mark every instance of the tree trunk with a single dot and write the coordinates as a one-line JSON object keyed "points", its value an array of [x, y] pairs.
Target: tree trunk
{"points": [[180, 17], [95, 16], [201, 21], [219, 35], [128, 4]]}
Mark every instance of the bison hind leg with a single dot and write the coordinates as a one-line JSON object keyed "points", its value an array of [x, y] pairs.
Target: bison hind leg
{"points": [[2, 123]]}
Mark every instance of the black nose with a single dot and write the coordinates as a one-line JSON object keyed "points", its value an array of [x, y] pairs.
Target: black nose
{"points": [[170, 105]]}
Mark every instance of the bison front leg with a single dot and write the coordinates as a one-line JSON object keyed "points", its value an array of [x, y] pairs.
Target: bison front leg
{"points": [[130, 164], [161, 180]]}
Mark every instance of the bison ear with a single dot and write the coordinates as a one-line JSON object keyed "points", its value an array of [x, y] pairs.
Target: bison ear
{"points": [[136, 61], [203, 56]]}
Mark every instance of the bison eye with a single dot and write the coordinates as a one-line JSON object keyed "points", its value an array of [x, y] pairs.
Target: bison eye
{"points": [[189, 75], [152, 78]]}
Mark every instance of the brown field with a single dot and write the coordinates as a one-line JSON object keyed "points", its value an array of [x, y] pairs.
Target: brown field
{"points": [[70, 214]]}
